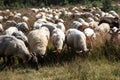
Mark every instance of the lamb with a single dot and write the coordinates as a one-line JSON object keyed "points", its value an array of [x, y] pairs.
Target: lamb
{"points": [[58, 38], [38, 41], [76, 40], [11, 46]]}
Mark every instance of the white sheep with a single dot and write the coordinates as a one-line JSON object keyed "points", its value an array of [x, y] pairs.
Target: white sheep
{"points": [[77, 40], [76, 24], [50, 26], [25, 18], [103, 28], [10, 31], [58, 38], [35, 10], [61, 26], [1, 18], [37, 25], [90, 35], [92, 23], [38, 41]]}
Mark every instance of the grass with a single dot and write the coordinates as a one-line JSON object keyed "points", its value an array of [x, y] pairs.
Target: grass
{"points": [[79, 69], [73, 67]]}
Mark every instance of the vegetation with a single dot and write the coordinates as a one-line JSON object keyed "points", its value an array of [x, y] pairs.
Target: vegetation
{"points": [[106, 4]]}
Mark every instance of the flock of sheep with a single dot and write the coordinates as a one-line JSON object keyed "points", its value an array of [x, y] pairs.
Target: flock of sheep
{"points": [[30, 43]]}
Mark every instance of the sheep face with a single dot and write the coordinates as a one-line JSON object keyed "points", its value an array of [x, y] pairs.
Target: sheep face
{"points": [[58, 43], [23, 52]]}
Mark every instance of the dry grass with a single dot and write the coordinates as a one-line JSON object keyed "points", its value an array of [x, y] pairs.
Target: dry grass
{"points": [[79, 69]]}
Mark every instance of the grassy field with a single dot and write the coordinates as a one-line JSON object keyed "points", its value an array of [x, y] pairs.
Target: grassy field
{"points": [[78, 69], [102, 64], [98, 66]]}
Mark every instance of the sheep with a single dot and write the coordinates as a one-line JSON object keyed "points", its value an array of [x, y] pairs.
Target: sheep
{"points": [[76, 40], [50, 26], [90, 33], [115, 35], [11, 46], [114, 13], [37, 25], [113, 22], [58, 39], [10, 31], [92, 23], [10, 23], [35, 10], [76, 24], [90, 36], [1, 18], [25, 18], [1, 28], [61, 26], [81, 20], [22, 26], [41, 15], [17, 15], [38, 41], [104, 28], [59, 20], [82, 24], [20, 35], [107, 15]]}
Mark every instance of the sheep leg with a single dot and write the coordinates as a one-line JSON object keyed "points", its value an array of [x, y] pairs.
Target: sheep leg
{"points": [[41, 60], [20, 61], [9, 62], [4, 60]]}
